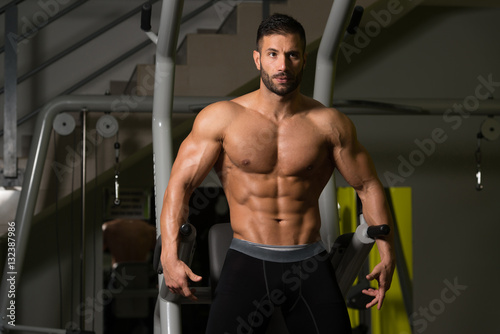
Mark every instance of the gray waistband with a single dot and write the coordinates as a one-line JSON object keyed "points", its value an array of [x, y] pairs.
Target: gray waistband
{"points": [[293, 253]]}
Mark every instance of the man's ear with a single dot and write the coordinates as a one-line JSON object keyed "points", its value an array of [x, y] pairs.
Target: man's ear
{"points": [[305, 60], [256, 59]]}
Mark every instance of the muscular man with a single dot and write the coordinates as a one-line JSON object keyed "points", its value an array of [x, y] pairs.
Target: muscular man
{"points": [[274, 150]]}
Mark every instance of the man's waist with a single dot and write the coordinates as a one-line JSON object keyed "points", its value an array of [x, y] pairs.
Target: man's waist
{"points": [[277, 253]]}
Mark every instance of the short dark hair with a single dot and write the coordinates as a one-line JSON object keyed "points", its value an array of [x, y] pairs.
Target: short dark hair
{"points": [[280, 24]]}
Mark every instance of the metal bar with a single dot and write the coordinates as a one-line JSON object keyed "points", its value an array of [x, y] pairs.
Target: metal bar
{"points": [[13, 3], [170, 21], [83, 245], [401, 265], [329, 47], [198, 10], [266, 9], [163, 97], [33, 329], [10, 101], [378, 107], [106, 67], [50, 20], [353, 257], [336, 25], [34, 170]]}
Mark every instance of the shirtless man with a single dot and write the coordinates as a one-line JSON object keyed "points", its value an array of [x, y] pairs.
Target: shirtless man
{"points": [[274, 150]]}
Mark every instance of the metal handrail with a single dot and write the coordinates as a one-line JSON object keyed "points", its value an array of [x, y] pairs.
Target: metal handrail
{"points": [[198, 10], [89, 78], [13, 3]]}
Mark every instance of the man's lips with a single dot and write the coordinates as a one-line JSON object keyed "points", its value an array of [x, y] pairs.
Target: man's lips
{"points": [[282, 78]]}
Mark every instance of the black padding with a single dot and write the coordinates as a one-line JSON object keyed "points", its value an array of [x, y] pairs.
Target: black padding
{"points": [[146, 17], [219, 240], [156, 256], [355, 20], [378, 231]]}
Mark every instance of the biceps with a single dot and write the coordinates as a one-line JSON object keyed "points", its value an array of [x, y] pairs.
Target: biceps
{"points": [[356, 166], [194, 161]]}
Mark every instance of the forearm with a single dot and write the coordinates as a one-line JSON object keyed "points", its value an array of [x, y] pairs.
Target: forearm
{"points": [[376, 212], [174, 213]]}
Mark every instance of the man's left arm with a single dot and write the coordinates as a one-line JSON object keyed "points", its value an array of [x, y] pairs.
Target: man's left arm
{"points": [[354, 163]]}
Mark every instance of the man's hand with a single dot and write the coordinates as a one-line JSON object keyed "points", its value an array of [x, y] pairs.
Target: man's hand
{"points": [[176, 274], [383, 274]]}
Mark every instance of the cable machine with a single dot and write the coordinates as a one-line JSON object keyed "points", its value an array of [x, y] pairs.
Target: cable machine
{"points": [[50, 115]]}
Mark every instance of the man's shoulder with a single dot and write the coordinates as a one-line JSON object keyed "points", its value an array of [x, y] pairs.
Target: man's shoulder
{"points": [[214, 119], [216, 112], [334, 124], [217, 107], [325, 115], [221, 109]]}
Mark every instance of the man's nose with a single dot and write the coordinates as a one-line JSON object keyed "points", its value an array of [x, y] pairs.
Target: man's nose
{"points": [[282, 63]]}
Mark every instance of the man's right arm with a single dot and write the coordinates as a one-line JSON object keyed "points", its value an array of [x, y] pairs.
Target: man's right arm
{"points": [[197, 155]]}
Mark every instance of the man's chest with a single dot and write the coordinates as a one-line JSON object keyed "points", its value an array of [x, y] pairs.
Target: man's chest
{"points": [[289, 148]]}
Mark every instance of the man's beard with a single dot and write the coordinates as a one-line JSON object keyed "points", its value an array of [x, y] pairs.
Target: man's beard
{"points": [[281, 90]]}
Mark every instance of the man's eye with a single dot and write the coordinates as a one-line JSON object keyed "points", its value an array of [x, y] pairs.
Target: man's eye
{"points": [[272, 54]]}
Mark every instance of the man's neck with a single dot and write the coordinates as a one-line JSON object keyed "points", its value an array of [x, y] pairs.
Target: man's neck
{"points": [[277, 106]]}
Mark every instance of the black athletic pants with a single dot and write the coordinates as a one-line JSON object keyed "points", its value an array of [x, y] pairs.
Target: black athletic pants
{"points": [[250, 290]]}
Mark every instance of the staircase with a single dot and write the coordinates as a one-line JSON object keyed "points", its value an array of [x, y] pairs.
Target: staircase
{"points": [[219, 64]]}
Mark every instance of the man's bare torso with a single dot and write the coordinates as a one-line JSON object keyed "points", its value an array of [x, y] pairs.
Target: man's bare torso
{"points": [[273, 171], [274, 150]]}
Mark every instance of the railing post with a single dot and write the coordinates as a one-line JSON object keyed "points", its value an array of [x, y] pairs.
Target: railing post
{"points": [[171, 14], [323, 92], [10, 102]]}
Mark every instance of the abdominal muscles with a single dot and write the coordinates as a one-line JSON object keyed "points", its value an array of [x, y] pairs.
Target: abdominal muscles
{"points": [[272, 209]]}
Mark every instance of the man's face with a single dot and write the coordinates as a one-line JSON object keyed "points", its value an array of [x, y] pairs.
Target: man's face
{"points": [[281, 62]]}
